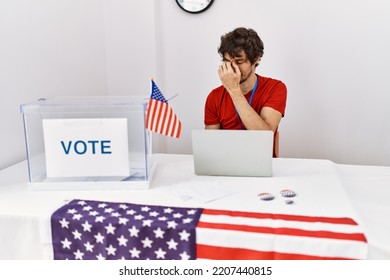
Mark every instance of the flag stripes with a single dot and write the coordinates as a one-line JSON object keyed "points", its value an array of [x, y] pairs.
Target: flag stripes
{"points": [[85, 229], [223, 234], [160, 117], [213, 252], [333, 220], [279, 223], [286, 231]]}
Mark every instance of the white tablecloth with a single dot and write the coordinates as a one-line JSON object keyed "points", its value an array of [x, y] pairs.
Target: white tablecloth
{"points": [[323, 188], [368, 188]]}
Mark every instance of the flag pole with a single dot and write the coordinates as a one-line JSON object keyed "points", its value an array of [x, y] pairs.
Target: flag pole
{"points": [[151, 133], [150, 143]]}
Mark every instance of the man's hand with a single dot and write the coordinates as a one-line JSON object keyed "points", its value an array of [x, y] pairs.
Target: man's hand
{"points": [[230, 75]]}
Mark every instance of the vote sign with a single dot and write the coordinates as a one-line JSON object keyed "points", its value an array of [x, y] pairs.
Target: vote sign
{"points": [[86, 147]]}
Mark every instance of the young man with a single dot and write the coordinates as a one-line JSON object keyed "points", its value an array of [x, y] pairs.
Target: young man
{"points": [[245, 100]]}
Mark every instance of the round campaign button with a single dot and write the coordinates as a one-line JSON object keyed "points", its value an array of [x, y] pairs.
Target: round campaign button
{"points": [[266, 196], [287, 193]]}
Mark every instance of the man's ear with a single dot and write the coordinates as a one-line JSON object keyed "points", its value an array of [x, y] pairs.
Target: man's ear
{"points": [[257, 61]]}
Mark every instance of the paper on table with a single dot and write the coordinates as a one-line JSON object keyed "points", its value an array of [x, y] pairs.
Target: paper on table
{"points": [[199, 190]]}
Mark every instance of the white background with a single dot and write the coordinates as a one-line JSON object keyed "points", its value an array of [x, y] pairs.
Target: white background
{"points": [[304, 269], [332, 55]]}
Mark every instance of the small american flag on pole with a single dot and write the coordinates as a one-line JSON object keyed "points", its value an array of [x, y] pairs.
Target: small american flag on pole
{"points": [[160, 117]]}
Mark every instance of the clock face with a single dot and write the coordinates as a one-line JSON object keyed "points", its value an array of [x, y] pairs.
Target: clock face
{"points": [[194, 6]]}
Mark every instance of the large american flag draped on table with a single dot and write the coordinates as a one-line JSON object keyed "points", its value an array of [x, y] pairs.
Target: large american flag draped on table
{"points": [[160, 117], [85, 229]]}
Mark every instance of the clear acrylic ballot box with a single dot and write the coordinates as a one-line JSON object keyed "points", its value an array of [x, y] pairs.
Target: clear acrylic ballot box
{"points": [[82, 143]]}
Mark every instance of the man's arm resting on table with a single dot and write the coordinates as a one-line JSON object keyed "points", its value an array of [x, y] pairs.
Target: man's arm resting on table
{"points": [[213, 126], [268, 119]]}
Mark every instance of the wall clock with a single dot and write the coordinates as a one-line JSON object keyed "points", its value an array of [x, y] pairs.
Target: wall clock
{"points": [[194, 6]]}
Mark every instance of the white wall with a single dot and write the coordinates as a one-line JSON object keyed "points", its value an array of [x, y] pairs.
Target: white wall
{"points": [[332, 55], [129, 27], [47, 48], [69, 47]]}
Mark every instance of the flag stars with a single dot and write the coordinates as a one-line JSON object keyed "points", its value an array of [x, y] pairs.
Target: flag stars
{"points": [[123, 206], [115, 214], [64, 223], [110, 229], [147, 223], [100, 257], [133, 231], [172, 244], [72, 211], [191, 212], [81, 202], [66, 243], [111, 250], [177, 215], [87, 208], [171, 224], [78, 255], [160, 254], [93, 213], [86, 226], [99, 238], [184, 256], [77, 217], [76, 234], [138, 217], [153, 214], [122, 241], [100, 219], [184, 235], [89, 247], [131, 212], [187, 221], [135, 253], [113, 231], [159, 233], [123, 221], [147, 243]]}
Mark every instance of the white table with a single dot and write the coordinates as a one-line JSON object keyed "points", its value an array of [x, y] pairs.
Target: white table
{"points": [[361, 191], [368, 188]]}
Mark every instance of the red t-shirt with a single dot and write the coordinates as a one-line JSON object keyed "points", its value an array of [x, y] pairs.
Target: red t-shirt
{"points": [[219, 108]]}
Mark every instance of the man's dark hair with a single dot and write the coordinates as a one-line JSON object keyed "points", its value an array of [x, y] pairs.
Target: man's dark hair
{"points": [[242, 39]]}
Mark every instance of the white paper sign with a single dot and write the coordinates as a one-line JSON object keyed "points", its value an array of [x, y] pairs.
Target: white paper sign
{"points": [[86, 147]]}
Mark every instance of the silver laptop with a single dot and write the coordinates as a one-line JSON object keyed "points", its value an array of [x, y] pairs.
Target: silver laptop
{"points": [[232, 152]]}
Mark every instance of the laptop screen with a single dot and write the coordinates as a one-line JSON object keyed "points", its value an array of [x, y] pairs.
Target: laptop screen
{"points": [[232, 152]]}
